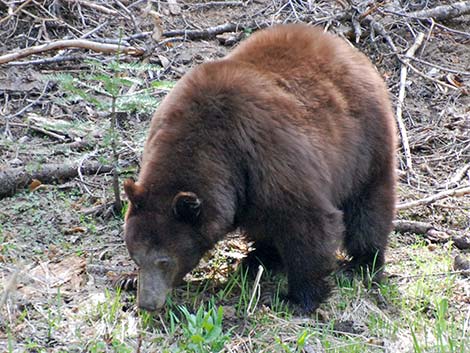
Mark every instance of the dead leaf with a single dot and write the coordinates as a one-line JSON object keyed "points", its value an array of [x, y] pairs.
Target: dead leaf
{"points": [[35, 184], [73, 230], [454, 80], [164, 61], [47, 276]]}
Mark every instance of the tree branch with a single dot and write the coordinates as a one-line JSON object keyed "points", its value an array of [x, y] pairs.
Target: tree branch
{"points": [[71, 43], [18, 178], [443, 12]]}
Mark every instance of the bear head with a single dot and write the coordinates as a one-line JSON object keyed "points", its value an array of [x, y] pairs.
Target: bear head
{"points": [[163, 237]]}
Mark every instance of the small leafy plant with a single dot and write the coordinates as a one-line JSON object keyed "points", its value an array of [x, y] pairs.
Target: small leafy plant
{"points": [[203, 330]]}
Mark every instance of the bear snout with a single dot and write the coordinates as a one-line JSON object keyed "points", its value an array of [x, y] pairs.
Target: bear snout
{"points": [[152, 290]]}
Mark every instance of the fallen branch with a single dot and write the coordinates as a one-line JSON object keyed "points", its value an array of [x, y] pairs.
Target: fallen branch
{"points": [[13, 13], [211, 32], [14, 179], [443, 12], [401, 98], [433, 198], [46, 61], [41, 130], [430, 233], [71, 43], [94, 6], [201, 5]]}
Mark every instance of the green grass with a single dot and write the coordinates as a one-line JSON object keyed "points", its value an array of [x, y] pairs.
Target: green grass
{"points": [[416, 310]]}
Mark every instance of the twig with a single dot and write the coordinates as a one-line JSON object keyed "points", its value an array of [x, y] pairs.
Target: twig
{"points": [[426, 77], [216, 3], [71, 43], [443, 12], [46, 61], [401, 98], [459, 175], [18, 9], [41, 130], [22, 110], [458, 72], [211, 32], [255, 293], [79, 170], [433, 198], [381, 30], [94, 6]]}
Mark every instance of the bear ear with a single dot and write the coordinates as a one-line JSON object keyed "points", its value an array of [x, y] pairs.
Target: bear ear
{"points": [[186, 206], [135, 192]]}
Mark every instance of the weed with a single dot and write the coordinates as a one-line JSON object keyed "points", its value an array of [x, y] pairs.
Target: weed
{"points": [[203, 331]]}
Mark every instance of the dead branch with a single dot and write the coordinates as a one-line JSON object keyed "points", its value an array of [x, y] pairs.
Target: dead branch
{"points": [[459, 175], [13, 13], [94, 6], [401, 98], [201, 5], [46, 61], [211, 32], [378, 28], [403, 226], [431, 233], [14, 179], [426, 77], [433, 198], [71, 43], [443, 12], [41, 130]]}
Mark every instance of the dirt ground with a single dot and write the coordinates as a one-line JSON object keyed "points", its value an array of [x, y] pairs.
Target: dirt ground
{"points": [[61, 245]]}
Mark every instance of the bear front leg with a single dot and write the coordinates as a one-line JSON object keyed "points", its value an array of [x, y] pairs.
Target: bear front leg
{"points": [[308, 255]]}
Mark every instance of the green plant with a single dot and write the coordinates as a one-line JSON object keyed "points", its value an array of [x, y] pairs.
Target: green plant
{"points": [[110, 89], [203, 330], [299, 344]]}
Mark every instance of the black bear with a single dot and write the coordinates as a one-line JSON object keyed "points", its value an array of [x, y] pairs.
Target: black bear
{"points": [[289, 138]]}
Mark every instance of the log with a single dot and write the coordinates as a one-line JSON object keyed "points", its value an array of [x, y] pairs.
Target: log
{"points": [[12, 180]]}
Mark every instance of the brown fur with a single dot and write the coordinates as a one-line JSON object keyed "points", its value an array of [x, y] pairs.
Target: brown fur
{"points": [[290, 138]]}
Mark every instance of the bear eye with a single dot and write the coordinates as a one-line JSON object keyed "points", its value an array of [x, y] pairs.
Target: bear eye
{"points": [[163, 262]]}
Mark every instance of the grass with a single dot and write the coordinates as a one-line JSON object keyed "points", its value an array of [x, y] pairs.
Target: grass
{"points": [[418, 309]]}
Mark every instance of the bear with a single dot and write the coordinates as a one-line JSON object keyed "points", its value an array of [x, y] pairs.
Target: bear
{"points": [[290, 139]]}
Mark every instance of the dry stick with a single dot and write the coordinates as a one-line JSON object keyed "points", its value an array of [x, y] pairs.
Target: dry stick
{"points": [[94, 6], [458, 72], [255, 293], [401, 97], [459, 175], [433, 198], [217, 3], [41, 130], [71, 43], [426, 77], [211, 32], [17, 178], [46, 61], [443, 12], [19, 8]]}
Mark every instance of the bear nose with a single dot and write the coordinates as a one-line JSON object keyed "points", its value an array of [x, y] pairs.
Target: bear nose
{"points": [[147, 306]]}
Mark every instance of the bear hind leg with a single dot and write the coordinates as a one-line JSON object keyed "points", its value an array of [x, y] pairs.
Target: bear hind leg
{"points": [[368, 220]]}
